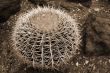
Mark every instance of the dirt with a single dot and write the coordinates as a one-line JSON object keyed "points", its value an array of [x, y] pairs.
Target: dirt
{"points": [[94, 18]]}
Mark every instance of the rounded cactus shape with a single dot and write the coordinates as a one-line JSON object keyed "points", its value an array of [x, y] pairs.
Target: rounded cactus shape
{"points": [[46, 37]]}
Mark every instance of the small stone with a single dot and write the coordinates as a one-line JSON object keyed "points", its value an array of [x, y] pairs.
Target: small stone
{"points": [[77, 64], [97, 9], [86, 62], [109, 61]]}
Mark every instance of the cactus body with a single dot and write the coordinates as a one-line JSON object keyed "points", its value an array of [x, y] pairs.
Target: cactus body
{"points": [[46, 37]]}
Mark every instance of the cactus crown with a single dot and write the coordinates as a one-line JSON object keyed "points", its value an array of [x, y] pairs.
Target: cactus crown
{"points": [[46, 37]]}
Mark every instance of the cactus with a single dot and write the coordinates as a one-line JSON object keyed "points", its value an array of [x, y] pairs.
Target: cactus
{"points": [[46, 37]]}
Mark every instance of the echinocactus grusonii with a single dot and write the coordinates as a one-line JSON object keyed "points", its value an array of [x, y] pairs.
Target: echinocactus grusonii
{"points": [[46, 37]]}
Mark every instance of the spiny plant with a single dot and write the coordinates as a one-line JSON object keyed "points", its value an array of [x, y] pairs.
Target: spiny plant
{"points": [[46, 37]]}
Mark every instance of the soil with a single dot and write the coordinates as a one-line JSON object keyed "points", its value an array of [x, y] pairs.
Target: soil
{"points": [[94, 18]]}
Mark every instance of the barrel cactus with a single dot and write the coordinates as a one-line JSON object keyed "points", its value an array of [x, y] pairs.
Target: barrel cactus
{"points": [[46, 37]]}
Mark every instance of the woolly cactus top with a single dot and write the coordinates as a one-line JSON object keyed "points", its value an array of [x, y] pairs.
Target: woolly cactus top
{"points": [[46, 37]]}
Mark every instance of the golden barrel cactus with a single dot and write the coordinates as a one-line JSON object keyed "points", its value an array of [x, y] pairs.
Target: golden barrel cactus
{"points": [[46, 37]]}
